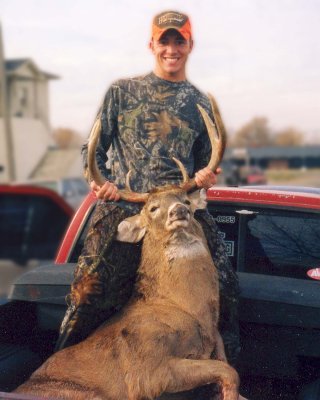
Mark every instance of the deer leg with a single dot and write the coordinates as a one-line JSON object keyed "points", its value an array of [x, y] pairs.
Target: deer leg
{"points": [[186, 374], [220, 353]]}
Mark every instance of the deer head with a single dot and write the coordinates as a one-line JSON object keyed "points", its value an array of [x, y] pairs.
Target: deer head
{"points": [[166, 211]]}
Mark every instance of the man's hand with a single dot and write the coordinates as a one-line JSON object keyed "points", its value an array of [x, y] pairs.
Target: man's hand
{"points": [[108, 191], [205, 178]]}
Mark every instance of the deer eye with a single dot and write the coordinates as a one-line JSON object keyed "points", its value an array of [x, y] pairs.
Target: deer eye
{"points": [[187, 202], [153, 209]]}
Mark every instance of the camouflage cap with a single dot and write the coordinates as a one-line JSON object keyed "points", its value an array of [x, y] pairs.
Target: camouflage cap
{"points": [[171, 20]]}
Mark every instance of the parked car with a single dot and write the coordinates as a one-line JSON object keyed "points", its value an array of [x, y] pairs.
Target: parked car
{"points": [[252, 175], [272, 239], [230, 175], [73, 190], [32, 223], [239, 175]]}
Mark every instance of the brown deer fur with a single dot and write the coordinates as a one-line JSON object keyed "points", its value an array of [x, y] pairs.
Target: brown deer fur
{"points": [[163, 339]]}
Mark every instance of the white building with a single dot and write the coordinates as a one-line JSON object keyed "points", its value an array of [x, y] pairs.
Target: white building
{"points": [[25, 133]]}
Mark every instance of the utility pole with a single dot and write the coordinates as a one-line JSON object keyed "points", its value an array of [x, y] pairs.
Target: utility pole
{"points": [[5, 112]]}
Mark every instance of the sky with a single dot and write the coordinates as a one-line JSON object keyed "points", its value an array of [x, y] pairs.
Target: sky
{"points": [[259, 58]]}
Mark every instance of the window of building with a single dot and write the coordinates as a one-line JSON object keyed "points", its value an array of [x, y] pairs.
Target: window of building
{"points": [[23, 97]]}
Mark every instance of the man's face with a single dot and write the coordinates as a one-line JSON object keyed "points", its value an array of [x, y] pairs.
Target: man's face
{"points": [[171, 52]]}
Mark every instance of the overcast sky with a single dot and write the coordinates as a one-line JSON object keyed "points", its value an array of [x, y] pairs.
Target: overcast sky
{"points": [[258, 57]]}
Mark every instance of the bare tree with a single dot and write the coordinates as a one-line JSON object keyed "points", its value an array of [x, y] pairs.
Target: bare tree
{"points": [[66, 138], [255, 133], [289, 137]]}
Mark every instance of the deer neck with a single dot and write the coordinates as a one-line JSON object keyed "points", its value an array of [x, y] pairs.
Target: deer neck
{"points": [[178, 269]]}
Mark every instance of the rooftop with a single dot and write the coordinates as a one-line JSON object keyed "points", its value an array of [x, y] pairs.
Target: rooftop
{"points": [[12, 65]]}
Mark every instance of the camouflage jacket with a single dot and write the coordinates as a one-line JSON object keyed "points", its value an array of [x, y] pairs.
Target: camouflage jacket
{"points": [[145, 122]]}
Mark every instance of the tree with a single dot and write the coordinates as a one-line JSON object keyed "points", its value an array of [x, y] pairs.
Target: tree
{"points": [[255, 133], [66, 138], [289, 137]]}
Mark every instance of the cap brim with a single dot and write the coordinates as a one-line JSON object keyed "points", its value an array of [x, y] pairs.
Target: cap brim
{"points": [[157, 35]]}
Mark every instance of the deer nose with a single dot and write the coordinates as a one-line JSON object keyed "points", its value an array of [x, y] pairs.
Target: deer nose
{"points": [[179, 211]]}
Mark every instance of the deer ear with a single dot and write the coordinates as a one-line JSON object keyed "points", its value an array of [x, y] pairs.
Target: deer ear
{"points": [[131, 230], [198, 199]]}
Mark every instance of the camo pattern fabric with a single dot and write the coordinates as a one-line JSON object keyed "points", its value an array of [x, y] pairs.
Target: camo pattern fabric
{"points": [[228, 286], [103, 278], [146, 121], [106, 272]]}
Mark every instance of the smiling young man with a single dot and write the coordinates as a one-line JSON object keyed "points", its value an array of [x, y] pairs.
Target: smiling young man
{"points": [[146, 122], [171, 51]]}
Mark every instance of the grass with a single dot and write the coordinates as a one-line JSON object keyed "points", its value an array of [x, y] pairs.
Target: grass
{"points": [[306, 177]]}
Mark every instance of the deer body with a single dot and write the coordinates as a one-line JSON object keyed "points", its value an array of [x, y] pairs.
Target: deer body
{"points": [[163, 339]]}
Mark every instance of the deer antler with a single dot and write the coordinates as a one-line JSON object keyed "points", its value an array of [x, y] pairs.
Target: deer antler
{"points": [[95, 174], [217, 135]]}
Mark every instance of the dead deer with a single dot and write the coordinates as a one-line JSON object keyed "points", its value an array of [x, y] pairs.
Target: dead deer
{"points": [[162, 340]]}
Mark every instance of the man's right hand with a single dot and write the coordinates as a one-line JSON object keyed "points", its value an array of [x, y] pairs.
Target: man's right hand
{"points": [[108, 191]]}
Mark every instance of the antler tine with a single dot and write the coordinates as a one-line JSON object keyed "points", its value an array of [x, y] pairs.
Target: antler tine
{"points": [[95, 174], [128, 176], [218, 124], [217, 136], [217, 139], [184, 172]]}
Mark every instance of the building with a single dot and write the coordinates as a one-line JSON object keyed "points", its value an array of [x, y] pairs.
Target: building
{"points": [[27, 88], [277, 157], [25, 133], [285, 157]]}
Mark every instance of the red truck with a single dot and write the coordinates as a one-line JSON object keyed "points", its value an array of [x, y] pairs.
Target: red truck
{"points": [[26, 212], [272, 236]]}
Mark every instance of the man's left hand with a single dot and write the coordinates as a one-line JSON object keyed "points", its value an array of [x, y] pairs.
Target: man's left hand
{"points": [[205, 178]]}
